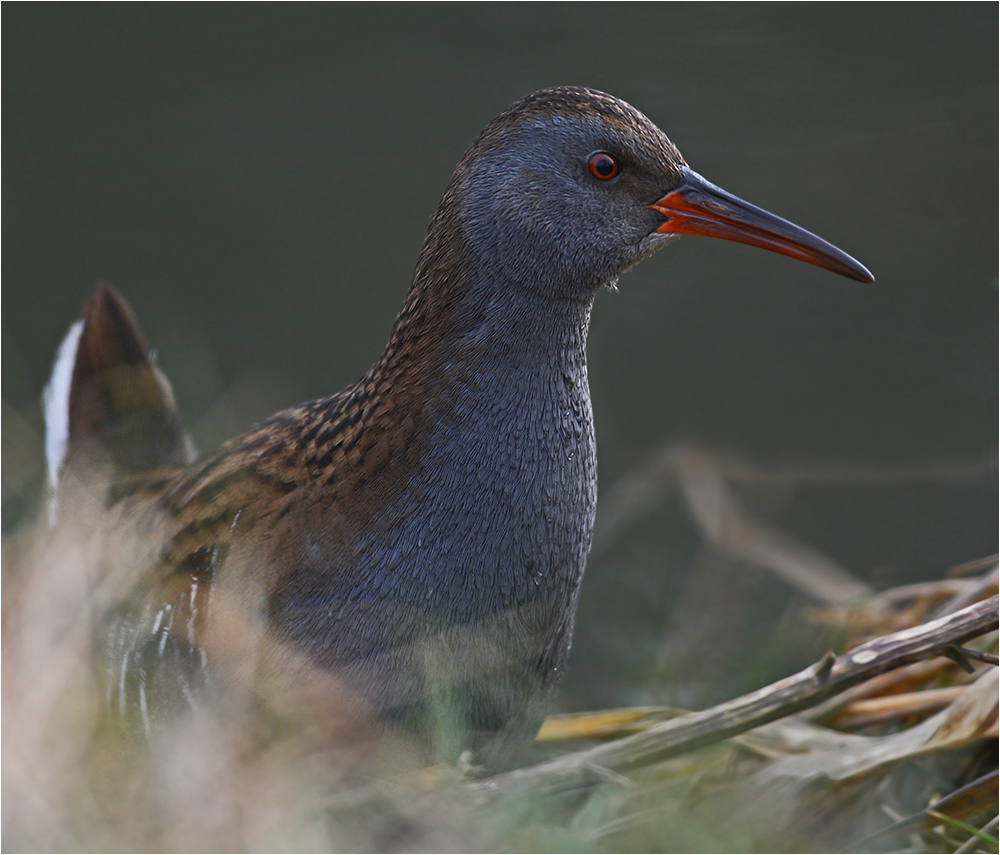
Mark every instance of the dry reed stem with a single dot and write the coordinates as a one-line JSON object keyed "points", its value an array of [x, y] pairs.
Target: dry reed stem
{"points": [[826, 678]]}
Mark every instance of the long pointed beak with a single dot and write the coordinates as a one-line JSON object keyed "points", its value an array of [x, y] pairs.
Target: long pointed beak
{"points": [[698, 207]]}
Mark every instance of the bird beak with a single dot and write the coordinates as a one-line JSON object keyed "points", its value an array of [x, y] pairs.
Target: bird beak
{"points": [[698, 207]]}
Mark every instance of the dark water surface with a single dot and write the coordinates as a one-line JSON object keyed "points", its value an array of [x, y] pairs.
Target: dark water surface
{"points": [[257, 181]]}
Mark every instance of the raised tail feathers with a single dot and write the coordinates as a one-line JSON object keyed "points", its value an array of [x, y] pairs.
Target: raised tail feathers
{"points": [[110, 413]]}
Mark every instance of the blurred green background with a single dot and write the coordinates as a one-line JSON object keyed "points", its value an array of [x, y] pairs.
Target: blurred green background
{"points": [[257, 181]]}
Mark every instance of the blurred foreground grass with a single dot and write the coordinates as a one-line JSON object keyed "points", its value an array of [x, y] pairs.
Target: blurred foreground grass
{"points": [[904, 760]]}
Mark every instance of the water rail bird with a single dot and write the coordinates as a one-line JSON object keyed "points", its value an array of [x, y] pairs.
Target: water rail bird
{"points": [[419, 537]]}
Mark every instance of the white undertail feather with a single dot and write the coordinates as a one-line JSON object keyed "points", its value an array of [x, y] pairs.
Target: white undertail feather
{"points": [[55, 406]]}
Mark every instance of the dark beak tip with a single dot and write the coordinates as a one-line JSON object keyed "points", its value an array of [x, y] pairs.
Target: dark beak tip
{"points": [[858, 273]]}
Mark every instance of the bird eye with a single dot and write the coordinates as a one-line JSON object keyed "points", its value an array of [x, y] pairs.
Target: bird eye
{"points": [[602, 165]]}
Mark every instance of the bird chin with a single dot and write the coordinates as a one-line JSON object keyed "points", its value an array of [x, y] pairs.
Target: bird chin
{"points": [[655, 241], [650, 244]]}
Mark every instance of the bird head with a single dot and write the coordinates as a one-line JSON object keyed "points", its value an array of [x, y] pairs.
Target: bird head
{"points": [[569, 187]]}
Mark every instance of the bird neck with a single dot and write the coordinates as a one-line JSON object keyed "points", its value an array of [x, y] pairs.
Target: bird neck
{"points": [[465, 313]]}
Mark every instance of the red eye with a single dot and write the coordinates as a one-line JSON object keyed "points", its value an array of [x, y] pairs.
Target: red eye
{"points": [[602, 165]]}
